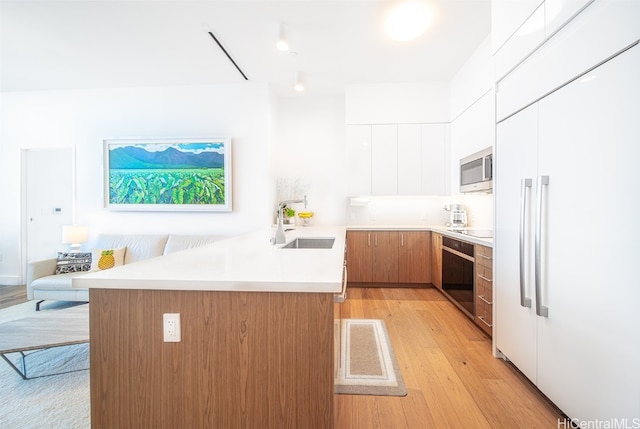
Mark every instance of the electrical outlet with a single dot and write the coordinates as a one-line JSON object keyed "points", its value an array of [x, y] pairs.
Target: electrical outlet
{"points": [[171, 325]]}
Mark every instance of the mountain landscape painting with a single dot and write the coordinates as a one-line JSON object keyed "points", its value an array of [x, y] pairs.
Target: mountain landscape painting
{"points": [[168, 174]]}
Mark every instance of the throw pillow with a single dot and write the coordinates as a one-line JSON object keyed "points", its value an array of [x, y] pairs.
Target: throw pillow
{"points": [[103, 259], [73, 262]]}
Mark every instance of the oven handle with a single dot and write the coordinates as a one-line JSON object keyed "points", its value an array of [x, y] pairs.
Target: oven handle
{"points": [[525, 301], [460, 254], [541, 310]]}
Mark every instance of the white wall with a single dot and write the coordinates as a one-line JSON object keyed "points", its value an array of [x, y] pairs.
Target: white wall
{"points": [[309, 155], [473, 80], [83, 118], [473, 127], [398, 103], [468, 104]]}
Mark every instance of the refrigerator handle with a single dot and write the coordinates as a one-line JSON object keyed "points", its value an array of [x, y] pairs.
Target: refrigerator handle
{"points": [[525, 301], [541, 310]]}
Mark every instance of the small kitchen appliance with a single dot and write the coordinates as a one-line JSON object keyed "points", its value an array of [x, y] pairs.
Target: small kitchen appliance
{"points": [[457, 216]]}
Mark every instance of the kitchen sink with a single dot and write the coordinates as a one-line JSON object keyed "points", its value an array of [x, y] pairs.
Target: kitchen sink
{"points": [[310, 243]]}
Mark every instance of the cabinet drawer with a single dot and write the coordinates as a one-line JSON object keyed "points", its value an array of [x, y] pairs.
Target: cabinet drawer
{"points": [[485, 273], [484, 315], [484, 256]]}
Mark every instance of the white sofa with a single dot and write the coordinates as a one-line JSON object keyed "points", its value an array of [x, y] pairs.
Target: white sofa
{"points": [[43, 284]]}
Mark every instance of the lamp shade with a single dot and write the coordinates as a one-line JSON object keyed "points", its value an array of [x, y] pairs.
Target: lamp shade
{"points": [[75, 234]]}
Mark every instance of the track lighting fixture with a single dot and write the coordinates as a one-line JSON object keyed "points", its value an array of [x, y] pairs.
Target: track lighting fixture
{"points": [[297, 82], [282, 43]]}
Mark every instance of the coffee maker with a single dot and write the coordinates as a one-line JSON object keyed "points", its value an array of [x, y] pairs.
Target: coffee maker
{"points": [[457, 217]]}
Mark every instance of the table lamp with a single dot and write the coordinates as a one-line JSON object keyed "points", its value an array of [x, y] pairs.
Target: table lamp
{"points": [[74, 235]]}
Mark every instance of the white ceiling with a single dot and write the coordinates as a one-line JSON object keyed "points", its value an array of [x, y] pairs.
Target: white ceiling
{"points": [[105, 44]]}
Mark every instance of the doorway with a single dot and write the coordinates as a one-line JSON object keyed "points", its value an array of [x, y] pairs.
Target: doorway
{"points": [[48, 203]]}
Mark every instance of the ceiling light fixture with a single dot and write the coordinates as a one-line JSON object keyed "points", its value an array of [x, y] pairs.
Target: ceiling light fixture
{"points": [[407, 20], [297, 82], [282, 44]]}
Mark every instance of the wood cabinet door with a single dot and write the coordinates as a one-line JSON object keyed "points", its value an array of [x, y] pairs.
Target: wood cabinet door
{"points": [[359, 256], [436, 260], [415, 257], [385, 256]]}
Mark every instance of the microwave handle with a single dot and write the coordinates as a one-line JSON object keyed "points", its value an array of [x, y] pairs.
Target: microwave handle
{"points": [[485, 170]]}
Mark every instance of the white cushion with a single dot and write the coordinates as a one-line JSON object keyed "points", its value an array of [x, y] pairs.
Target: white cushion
{"points": [[139, 246], [176, 243]]}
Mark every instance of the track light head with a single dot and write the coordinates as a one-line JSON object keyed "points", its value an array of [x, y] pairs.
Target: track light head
{"points": [[282, 43]]}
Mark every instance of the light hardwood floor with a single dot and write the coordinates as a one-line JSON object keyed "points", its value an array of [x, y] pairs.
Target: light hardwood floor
{"points": [[12, 295], [453, 380]]}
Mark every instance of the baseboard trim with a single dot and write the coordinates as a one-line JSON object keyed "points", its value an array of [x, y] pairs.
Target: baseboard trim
{"points": [[9, 280]]}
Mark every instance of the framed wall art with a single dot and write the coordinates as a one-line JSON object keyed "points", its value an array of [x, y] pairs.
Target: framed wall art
{"points": [[168, 174]]}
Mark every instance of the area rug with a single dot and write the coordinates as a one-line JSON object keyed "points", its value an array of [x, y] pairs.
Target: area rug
{"points": [[368, 365], [57, 401]]}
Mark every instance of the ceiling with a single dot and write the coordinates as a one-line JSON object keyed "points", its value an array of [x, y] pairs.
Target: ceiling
{"points": [[82, 44]]}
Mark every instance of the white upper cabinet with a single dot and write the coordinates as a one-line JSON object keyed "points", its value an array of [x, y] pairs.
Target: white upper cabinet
{"points": [[405, 159], [604, 27], [433, 165], [384, 159], [409, 159], [507, 16], [557, 12], [526, 25], [359, 159]]}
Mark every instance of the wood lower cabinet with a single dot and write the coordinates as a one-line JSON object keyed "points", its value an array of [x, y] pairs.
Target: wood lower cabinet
{"points": [[484, 288], [359, 256], [415, 257], [436, 260], [389, 256], [385, 254]]}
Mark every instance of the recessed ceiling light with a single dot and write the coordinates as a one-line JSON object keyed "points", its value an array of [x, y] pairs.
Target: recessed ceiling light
{"points": [[407, 20]]}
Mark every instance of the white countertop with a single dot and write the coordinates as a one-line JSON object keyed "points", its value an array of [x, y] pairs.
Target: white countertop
{"points": [[439, 229], [245, 263]]}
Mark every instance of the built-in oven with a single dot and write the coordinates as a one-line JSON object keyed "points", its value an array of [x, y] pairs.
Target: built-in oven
{"points": [[457, 273]]}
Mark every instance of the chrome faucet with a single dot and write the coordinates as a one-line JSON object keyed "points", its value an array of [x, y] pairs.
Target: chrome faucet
{"points": [[280, 237]]}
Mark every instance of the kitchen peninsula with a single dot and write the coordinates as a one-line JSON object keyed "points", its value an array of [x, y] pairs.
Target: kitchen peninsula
{"points": [[256, 345]]}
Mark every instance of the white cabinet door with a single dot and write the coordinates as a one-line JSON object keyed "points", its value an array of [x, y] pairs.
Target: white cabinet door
{"points": [[558, 12], [384, 159], [358, 160], [589, 345], [405, 159], [409, 158], [585, 353], [515, 161], [507, 16], [433, 162]]}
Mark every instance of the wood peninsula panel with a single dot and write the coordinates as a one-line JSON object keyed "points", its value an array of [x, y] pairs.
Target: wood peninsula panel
{"points": [[415, 257], [246, 360]]}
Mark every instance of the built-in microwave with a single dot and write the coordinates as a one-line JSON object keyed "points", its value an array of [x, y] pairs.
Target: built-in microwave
{"points": [[476, 171]]}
